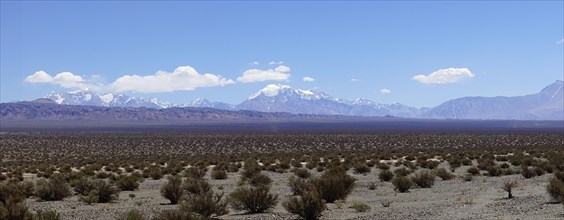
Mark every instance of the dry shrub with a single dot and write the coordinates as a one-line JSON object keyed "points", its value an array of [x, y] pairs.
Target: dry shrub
{"points": [[334, 184], [444, 174], [206, 204], [301, 173], [385, 175], [172, 190], [402, 184], [252, 199], [424, 179], [219, 175], [508, 187], [298, 186], [46, 215], [196, 186], [127, 183], [131, 215], [56, 188], [555, 187], [308, 206]]}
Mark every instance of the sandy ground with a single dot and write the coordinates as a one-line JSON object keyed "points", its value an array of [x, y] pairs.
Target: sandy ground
{"points": [[482, 198]]}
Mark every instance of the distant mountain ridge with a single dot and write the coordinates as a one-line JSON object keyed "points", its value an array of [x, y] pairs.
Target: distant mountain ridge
{"points": [[548, 104]]}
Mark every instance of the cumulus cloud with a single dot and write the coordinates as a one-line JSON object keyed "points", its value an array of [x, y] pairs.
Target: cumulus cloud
{"points": [[64, 79], [308, 79], [385, 91], [561, 41], [182, 78], [445, 76], [275, 63], [280, 73], [256, 63]]}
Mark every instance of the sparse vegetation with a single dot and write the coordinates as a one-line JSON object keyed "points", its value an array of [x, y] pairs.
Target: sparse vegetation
{"points": [[252, 199], [508, 186], [172, 190], [333, 184], [402, 184], [54, 189], [308, 206]]}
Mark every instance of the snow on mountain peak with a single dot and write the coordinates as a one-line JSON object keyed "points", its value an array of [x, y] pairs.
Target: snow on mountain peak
{"points": [[273, 90]]}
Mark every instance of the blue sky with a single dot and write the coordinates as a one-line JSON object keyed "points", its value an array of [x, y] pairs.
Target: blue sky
{"points": [[416, 53]]}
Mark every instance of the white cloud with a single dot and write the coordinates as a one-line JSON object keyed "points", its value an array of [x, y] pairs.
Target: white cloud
{"points": [[308, 79], [256, 63], [355, 80], [64, 79], [182, 78], [275, 63], [561, 41], [280, 73], [385, 91], [445, 76]]}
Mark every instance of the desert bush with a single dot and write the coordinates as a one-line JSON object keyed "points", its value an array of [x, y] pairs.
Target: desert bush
{"points": [[252, 199], [56, 188], [424, 179], [3, 177], [219, 175], [361, 168], [196, 186], [466, 162], [473, 170], [97, 191], [385, 175], [232, 168], [301, 173], [555, 187], [308, 206], [333, 184], [402, 172], [131, 215], [538, 171], [508, 187], [360, 207], [194, 172], [206, 204], [494, 171], [444, 174], [527, 172], [259, 179], [83, 186], [298, 186], [12, 196], [383, 166], [402, 184], [250, 169], [46, 215], [12, 210], [173, 189], [127, 183]]}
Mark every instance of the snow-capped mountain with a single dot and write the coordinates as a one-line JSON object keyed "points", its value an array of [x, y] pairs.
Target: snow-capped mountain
{"points": [[284, 98], [92, 98], [548, 104], [204, 103]]}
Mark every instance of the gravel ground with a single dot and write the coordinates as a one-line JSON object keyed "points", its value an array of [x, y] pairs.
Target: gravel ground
{"points": [[482, 198]]}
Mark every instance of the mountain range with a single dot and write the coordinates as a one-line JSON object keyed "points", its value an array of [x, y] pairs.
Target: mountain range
{"points": [[548, 104]]}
